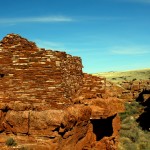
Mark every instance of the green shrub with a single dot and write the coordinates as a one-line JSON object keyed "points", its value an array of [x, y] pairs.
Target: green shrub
{"points": [[131, 134], [113, 78], [125, 127], [130, 109], [124, 140], [134, 79], [11, 142], [127, 144], [123, 115], [131, 146], [143, 145], [128, 120]]}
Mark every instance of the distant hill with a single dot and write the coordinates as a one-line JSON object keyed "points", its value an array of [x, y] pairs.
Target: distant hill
{"points": [[143, 74]]}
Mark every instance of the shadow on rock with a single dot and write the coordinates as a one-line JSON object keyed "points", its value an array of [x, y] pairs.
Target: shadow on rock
{"points": [[144, 118]]}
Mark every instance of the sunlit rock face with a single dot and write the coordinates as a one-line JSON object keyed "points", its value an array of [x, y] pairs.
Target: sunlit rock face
{"points": [[47, 102], [127, 90]]}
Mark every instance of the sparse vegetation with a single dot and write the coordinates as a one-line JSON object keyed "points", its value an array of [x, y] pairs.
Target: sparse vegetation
{"points": [[126, 75], [114, 79], [134, 79], [132, 137], [11, 142], [131, 134]]}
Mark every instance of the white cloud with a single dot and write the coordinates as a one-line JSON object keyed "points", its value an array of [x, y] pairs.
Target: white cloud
{"points": [[130, 50], [50, 19], [44, 19]]}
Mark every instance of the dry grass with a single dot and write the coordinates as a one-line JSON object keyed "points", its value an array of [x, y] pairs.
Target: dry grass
{"points": [[132, 137], [143, 74]]}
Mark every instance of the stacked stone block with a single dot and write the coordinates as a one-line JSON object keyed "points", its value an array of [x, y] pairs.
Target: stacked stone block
{"points": [[28, 73], [93, 86], [134, 88]]}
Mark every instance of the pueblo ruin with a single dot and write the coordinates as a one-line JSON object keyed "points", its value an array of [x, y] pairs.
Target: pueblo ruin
{"points": [[48, 103]]}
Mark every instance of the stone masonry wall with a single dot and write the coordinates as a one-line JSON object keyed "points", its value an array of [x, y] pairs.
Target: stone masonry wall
{"points": [[28, 73], [134, 88], [47, 102], [93, 86]]}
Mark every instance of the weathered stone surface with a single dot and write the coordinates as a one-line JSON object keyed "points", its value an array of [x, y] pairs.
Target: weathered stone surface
{"points": [[47, 102], [113, 90], [16, 122], [136, 87], [103, 108], [59, 75], [127, 90]]}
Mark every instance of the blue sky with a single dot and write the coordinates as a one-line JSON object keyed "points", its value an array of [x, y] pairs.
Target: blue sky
{"points": [[109, 35]]}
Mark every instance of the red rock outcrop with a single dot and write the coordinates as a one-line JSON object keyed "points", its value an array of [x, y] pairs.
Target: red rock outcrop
{"points": [[127, 90], [47, 102], [134, 88]]}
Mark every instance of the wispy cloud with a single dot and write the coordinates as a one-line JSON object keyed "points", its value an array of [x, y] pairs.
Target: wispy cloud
{"points": [[51, 19], [130, 50], [44, 19]]}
